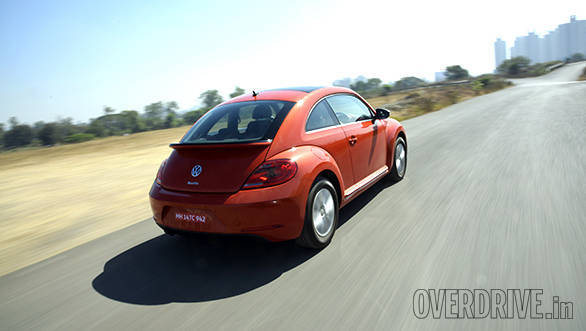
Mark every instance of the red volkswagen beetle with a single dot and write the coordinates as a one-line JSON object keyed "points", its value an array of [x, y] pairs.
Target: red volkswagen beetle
{"points": [[278, 164]]}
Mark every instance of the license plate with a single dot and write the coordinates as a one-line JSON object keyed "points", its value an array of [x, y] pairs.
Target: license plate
{"points": [[191, 218]]}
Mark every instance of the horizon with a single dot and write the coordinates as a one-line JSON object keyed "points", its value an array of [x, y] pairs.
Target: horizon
{"points": [[72, 59]]}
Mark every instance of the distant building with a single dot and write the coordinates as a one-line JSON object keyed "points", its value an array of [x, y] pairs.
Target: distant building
{"points": [[440, 76], [500, 52], [567, 39], [520, 48], [343, 82], [572, 38]]}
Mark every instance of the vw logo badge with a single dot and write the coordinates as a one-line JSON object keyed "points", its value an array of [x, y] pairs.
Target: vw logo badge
{"points": [[195, 171]]}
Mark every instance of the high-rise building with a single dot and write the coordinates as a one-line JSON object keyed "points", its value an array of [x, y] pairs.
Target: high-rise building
{"points": [[525, 46], [576, 36], [533, 47], [500, 51], [566, 40]]}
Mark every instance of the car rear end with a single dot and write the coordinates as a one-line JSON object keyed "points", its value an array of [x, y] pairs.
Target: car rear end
{"points": [[217, 179]]}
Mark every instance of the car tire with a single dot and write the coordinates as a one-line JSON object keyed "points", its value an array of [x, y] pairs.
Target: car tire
{"points": [[321, 215], [399, 166]]}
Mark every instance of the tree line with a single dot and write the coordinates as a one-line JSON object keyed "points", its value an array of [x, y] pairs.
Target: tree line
{"points": [[157, 115], [374, 87], [163, 115]]}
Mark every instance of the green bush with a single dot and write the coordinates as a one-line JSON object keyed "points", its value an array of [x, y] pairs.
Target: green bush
{"points": [[78, 138], [518, 67], [489, 83]]}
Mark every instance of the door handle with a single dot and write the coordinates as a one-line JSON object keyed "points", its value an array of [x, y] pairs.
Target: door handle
{"points": [[352, 140]]}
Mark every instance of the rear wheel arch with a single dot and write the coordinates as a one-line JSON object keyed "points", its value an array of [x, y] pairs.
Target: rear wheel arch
{"points": [[314, 162], [331, 176]]}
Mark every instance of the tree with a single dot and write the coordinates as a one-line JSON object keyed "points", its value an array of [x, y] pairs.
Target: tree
{"points": [[191, 116], [577, 57], [387, 88], [171, 120], [65, 127], [456, 72], [48, 134], [514, 66], [373, 83], [237, 91], [171, 107], [97, 128], [37, 127], [408, 82], [153, 115], [1, 134], [13, 122], [19, 134], [211, 98], [154, 110], [366, 85], [109, 110], [359, 86], [133, 121]]}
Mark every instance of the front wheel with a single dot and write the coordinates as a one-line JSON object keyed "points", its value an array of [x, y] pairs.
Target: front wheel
{"points": [[321, 215], [399, 160]]}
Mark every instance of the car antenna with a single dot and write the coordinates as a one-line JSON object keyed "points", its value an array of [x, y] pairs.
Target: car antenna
{"points": [[254, 94]]}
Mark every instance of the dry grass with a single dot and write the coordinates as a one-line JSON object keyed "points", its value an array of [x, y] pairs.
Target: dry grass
{"points": [[413, 103], [56, 198]]}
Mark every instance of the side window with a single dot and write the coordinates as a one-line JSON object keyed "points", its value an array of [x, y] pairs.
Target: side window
{"points": [[321, 117], [348, 108]]}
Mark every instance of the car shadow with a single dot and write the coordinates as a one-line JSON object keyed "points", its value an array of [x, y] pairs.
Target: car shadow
{"points": [[199, 268]]}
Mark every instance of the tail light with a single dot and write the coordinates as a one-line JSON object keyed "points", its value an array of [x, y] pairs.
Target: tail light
{"points": [[160, 172], [271, 173]]}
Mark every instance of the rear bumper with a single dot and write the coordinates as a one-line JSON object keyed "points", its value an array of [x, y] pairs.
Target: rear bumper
{"points": [[274, 213]]}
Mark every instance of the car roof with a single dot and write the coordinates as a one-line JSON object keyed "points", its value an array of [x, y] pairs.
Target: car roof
{"points": [[293, 94], [306, 89]]}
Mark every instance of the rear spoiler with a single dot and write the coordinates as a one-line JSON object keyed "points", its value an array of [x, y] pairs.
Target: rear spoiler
{"points": [[261, 143]]}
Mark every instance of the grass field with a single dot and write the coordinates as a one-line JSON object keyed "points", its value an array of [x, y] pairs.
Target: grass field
{"points": [[56, 198]]}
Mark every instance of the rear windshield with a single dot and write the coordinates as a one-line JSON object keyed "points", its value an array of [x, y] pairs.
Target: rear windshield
{"points": [[239, 122]]}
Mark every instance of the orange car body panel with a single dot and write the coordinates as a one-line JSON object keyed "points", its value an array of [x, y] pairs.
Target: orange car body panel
{"points": [[277, 212]]}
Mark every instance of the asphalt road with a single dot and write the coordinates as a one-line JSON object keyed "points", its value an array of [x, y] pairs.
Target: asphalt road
{"points": [[494, 197]]}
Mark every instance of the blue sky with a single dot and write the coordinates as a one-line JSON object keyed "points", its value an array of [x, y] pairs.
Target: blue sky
{"points": [[72, 58]]}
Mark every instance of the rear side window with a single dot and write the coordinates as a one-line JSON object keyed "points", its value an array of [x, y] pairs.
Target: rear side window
{"points": [[239, 122], [348, 108], [321, 117]]}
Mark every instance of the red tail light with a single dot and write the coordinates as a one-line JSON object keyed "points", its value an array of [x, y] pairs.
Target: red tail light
{"points": [[271, 173], [160, 172]]}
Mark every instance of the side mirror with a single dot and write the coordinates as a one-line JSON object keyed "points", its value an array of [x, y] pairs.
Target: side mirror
{"points": [[382, 113]]}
